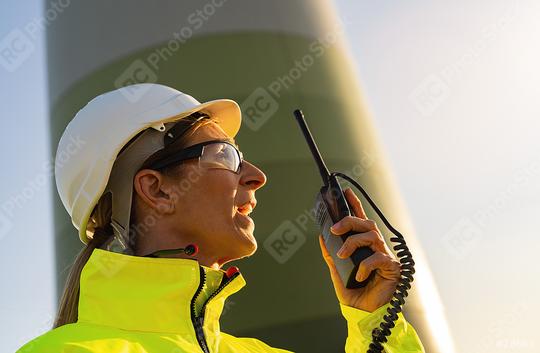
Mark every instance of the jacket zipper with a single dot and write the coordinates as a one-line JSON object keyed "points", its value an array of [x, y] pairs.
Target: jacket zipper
{"points": [[216, 292], [198, 321]]}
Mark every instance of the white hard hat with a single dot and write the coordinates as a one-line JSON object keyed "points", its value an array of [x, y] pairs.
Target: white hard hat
{"points": [[91, 142]]}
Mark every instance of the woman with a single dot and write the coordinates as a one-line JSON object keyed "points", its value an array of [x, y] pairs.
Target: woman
{"points": [[161, 196]]}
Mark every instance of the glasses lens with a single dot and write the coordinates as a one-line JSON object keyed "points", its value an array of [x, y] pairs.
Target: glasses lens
{"points": [[220, 155]]}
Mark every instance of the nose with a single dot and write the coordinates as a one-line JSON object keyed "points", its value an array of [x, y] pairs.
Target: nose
{"points": [[252, 176]]}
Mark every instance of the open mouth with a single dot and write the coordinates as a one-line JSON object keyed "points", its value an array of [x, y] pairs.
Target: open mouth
{"points": [[246, 208]]}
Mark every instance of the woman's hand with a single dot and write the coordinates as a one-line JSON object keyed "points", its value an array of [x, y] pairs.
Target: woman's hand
{"points": [[380, 288]]}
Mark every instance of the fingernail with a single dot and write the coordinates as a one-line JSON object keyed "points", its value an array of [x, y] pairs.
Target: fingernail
{"points": [[340, 252], [335, 227]]}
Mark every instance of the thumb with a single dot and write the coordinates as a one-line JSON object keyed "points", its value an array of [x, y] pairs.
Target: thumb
{"points": [[336, 279]]}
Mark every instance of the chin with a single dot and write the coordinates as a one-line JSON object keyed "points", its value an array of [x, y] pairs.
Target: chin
{"points": [[253, 248], [249, 245], [247, 252]]}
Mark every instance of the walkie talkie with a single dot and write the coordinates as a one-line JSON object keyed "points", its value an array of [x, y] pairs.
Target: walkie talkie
{"points": [[330, 207]]}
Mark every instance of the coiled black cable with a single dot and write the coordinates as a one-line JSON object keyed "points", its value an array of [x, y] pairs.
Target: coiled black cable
{"points": [[379, 334]]}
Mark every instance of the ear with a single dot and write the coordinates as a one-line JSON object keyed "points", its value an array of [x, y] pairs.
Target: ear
{"points": [[150, 187]]}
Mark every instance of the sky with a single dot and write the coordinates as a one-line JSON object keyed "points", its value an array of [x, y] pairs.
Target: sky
{"points": [[453, 91], [26, 254]]}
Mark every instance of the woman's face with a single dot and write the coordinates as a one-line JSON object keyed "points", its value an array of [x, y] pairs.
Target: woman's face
{"points": [[207, 206]]}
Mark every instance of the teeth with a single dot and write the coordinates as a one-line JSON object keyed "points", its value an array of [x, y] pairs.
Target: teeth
{"points": [[245, 210]]}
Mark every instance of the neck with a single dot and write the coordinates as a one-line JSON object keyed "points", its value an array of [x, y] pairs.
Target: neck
{"points": [[154, 239]]}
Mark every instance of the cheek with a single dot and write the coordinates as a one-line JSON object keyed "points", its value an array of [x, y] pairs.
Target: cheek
{"points": [[217, 192]]}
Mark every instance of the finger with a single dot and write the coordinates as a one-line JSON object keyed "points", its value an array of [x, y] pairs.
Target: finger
{"points": [[352, 223], [386, 266], [355, 203], [355, 241], [336, 279]]}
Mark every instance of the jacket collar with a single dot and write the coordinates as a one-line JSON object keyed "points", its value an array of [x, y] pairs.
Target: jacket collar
{"points": [[147, 294]]}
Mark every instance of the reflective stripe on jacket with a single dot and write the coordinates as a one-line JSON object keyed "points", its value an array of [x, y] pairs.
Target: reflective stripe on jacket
{"points": [[146, 305]]}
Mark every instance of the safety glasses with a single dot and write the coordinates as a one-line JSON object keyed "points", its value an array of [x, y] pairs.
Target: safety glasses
{"points": [[211, 154]]}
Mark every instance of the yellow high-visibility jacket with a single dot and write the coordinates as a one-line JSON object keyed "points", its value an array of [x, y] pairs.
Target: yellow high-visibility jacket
{"points": [[147, 305]]}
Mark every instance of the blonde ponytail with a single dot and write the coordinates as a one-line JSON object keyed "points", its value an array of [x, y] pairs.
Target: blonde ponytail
{"points": [[99, 225], [99, 229]]}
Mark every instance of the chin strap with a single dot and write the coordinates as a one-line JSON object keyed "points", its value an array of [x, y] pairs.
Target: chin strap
{"points": [[119, 242], [120, 185]]}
